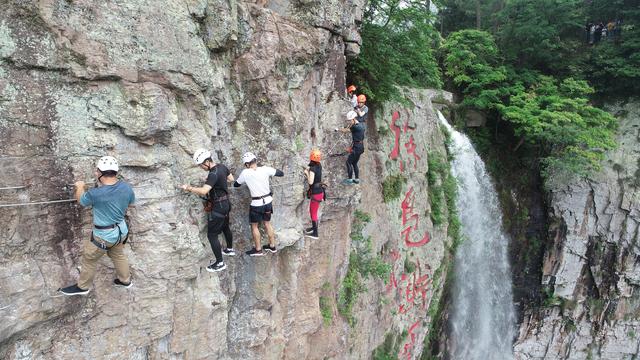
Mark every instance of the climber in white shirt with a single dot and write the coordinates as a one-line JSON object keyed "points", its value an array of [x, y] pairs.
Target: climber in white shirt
{"points": [[257, 180]]}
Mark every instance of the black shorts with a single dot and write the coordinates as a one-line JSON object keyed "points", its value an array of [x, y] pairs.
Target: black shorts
{"points": [[260, 213]]}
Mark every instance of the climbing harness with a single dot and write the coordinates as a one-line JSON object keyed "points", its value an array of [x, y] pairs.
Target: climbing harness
{"points": [[104, 245], [262, 197], [309, 193]]}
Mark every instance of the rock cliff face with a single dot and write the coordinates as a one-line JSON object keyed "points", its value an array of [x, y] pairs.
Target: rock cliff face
{"points": [[591, 267], [149, 83]]}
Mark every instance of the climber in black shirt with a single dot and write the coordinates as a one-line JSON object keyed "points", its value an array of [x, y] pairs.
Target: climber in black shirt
{"points": [[357, 130], [217, 207]]}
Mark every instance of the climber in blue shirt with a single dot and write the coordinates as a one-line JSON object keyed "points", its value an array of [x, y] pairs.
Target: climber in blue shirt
{"points": [[109, 202]]}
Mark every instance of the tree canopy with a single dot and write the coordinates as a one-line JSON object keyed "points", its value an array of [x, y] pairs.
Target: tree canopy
{"points": [[398, 42]]}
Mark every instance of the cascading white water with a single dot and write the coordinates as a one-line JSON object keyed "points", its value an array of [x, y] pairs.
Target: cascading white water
{"points": [[483, 317]]}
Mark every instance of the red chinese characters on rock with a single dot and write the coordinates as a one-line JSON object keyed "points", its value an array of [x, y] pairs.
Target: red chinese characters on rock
{"points": [[407, 349], [410, 145], [414, 287], [409, 215], [411, 287], [393, 282]]}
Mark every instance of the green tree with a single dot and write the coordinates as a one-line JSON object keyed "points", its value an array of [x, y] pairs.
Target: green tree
{"points": [[542, 34], [471, 60], [469, 14], [557, 116], [397, 42], [613, 67], [552, 114]]}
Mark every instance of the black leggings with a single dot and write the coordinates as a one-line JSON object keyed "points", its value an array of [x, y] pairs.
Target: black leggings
{"points": [[218, 223], [352, 161]]}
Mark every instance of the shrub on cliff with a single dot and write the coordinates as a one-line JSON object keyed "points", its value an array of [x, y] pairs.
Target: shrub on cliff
{"points": [[392, 187]]}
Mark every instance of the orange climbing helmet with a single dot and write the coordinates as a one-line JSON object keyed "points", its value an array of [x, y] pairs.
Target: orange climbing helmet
{"points": [[351, 88], [316, 155], [362, 98]]}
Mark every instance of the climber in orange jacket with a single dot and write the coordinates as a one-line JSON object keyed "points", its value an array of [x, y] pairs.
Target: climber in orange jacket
{"points": [[315, 194]]}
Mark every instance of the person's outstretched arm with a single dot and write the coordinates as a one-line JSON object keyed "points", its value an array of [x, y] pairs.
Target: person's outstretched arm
{"points": [[202, 190]]}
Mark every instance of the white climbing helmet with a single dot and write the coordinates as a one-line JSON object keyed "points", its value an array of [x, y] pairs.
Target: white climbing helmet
{"points": [[107, 163], [351, 115], [248, 157], [201, 155]]}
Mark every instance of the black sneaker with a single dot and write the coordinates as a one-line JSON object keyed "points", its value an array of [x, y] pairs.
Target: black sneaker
{"points": [[229, 252], [217, 266], [356, 181], [73, 290], [119, 283], [308, 230], [272, 250], [254, 252], [313, 235]]}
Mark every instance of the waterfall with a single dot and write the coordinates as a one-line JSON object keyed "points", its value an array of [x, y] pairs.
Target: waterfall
{"points": [[482, 320]]}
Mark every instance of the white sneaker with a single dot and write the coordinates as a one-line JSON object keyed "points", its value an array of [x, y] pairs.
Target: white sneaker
{"points": [[229, 252]]}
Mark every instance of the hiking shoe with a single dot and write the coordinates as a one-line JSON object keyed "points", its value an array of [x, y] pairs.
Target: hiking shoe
{"points": [[217, 266], [73, 290], [308, 230], [254, 252], [119, 283], [229, 252], [270, 249], [312, 235], [347, 182]]}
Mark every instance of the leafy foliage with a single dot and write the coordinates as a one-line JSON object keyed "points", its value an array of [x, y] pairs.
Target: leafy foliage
{"points": [[558, 116], [471, 61], [548, 36], [390, 347], [541, 34], [362, 264], [392, 187], [325, 310], [615, 67], [397, 43], [436, 197], [554, 114]]}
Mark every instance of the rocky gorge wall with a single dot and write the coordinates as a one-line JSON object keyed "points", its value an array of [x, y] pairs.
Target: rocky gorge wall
{"points": [[149, 82], [591, 268]]}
